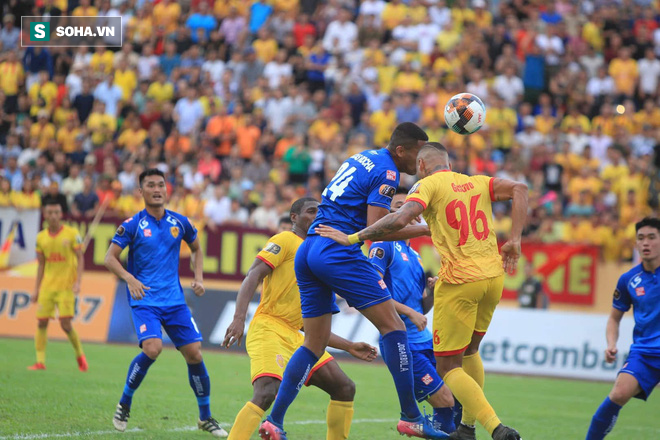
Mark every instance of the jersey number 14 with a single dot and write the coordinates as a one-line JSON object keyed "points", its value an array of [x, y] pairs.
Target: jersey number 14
{"points": [[339, 183], [465, 222]]}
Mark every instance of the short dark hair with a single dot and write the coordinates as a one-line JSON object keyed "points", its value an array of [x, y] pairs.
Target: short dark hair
{"points": [[150, 172], [285, 219], [49, 201], [651, 222], [402, 190], [408, 135], [297, 206]]}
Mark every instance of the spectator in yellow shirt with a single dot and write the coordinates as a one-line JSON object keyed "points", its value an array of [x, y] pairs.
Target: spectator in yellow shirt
{"points": [[101, 125], [324, 129], [393, 13], [28, 198], [66, 135], [265, 46], [126, 79], [545, 121], [461, 13], [585, 181], [133, 136], [383, 123], [161, 91], [42, 95], [648, 115], [623, 70], [102, 60], [501, 122], [577, 230], [616, 169], [128, 204], [574, 117], [408, 81], [43, 131], [605, 120], [167, 14], [12, 76], [85, 10], [5, 193]]}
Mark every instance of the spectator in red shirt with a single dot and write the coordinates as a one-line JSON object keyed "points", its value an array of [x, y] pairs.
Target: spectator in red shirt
{"points": [[302, 28]]}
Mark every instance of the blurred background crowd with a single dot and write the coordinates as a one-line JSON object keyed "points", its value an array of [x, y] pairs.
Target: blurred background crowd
{"points": [[247, 105]]}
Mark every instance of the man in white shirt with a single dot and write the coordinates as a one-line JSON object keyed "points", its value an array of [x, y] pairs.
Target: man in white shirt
{"points": [[529, 138], [266, 216], [278, 70], [406, 34], [601, 84], [426, 34], [217, 207], [551, 45], [372, 8], [649, 72], [188, 113], [440, 14], [340, 34], [599, 144], [147, 62], [214, 66], [277, 110], [509, 87], [110, 94]]}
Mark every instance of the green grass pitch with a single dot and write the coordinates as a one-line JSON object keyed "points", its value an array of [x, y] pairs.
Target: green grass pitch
{"points": [[61, 402]]}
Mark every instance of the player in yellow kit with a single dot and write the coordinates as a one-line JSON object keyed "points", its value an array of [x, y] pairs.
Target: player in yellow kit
{"points": [[61, 264], [274, 333], [458, 211]]}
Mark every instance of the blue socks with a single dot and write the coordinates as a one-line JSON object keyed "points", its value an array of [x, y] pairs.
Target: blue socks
{"points": [[604, 419], [458, 413], [444, 418], [295, 376], [397, 356], [136, 372], [201, 385]]}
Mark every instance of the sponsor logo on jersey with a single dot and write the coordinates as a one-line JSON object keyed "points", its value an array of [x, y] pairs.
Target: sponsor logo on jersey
{"points": [[174, 231], [387, 191], [273, 248], [377, 252], [144, 223], [390, 175], [56, 257], [121, 230], [640, 291], [382, 284], [280, 361], [427, 379], [143, 328], [147, 232], [635, 282]]}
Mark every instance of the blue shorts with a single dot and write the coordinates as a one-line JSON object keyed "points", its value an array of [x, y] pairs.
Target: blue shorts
{"points": [[177, 321], [427, 379], [644, 368], [324, 268]]}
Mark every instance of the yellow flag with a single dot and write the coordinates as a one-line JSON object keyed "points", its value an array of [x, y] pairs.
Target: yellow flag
{"points": [[6, 248]]}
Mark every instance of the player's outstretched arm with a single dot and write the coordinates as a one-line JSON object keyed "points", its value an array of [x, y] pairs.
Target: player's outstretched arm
{"points": [[415, 317], [197, 262], [612, 334], [256, 274], [360, 350], [135, 287], [504, 189]]}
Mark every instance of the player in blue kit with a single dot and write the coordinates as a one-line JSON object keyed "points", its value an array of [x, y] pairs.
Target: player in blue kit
{"points": [[359, 194], [155, 295], [639, 288], [401, 268]]}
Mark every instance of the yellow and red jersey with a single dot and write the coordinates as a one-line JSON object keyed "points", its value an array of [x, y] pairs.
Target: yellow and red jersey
{"points": [[458, 211], [280, 297], [60, 252]]}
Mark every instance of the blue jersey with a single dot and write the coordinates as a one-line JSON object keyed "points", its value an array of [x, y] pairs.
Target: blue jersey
{"points": [[153, 255], [641, 290], [367, 178], [401, 267]]}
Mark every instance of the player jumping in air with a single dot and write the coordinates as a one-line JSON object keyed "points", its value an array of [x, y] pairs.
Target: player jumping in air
{"points": [[638, 288], [274, 333], [155, 295], [358, 195], [401, 268], [458, 210], [61, 265]]}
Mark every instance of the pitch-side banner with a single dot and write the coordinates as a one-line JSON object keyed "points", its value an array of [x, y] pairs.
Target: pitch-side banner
{"points": [[26, 224]]}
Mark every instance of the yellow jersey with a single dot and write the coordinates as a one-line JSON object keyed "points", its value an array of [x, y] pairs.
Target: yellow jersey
{"points": [[459, 213], [280, 297], [60, 253]]}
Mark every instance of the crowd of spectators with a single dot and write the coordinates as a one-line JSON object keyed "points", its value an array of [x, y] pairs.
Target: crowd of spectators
{"points": [[247, 105]]}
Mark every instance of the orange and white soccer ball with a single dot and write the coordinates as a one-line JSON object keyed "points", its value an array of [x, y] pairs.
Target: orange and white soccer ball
{"points": [[465, 113]]}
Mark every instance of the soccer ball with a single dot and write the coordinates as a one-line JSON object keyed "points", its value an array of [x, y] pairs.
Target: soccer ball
{"points": [[465, 113]]}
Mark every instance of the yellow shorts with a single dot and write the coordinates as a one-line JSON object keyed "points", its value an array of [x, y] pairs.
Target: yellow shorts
{"points": [[65, 302], [460, 310], [270, 344]]}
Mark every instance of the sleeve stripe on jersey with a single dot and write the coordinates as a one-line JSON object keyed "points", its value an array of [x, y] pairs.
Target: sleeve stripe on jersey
{"points": [[266, 261], [380, 205], [415, 199], [121, 245], [491, 189]]}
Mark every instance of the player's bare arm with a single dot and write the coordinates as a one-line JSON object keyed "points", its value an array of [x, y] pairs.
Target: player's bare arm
{"points": [[197, 262], [40, 275], [427, 300], [504, 189], [359, 350], [81, 268], [255, 276], [612, 334], [417, 318], [390, 227], [112, 263]]}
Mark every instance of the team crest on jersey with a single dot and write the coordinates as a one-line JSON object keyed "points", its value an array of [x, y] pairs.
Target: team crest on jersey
{"points": [[640, 291], [617, 294], [273, 248], [121, 230], [427, 379], [143, 328], [147, 232], [390, 175], [174, 231], [387, 191], [377, 252], [280, 361], [382, 284], [414, 189]]}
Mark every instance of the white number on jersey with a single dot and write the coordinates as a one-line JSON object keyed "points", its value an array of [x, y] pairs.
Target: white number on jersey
{"points": [[339, 183]]}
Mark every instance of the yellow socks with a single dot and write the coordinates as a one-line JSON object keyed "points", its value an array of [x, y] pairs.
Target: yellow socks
{"points": [[472, 397], [474, 367], [75, 341], [246, 423], [340, 415], [40, 340]]}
